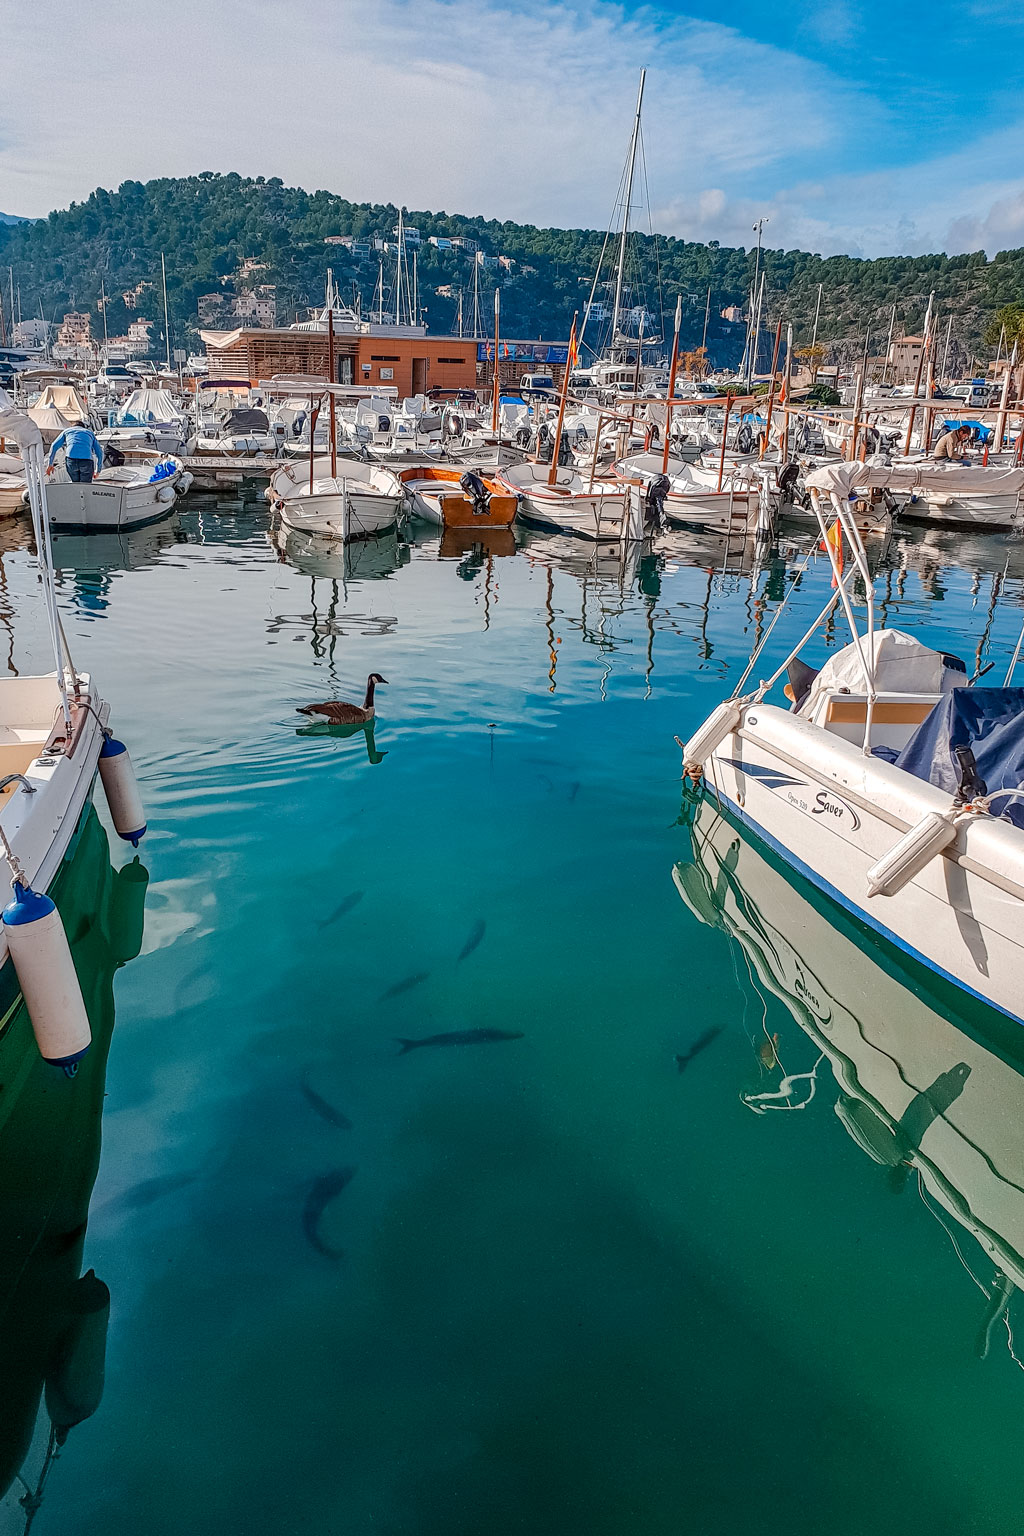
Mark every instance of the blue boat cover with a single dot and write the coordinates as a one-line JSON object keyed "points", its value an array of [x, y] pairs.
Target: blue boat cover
{"points": [[988, 720]]}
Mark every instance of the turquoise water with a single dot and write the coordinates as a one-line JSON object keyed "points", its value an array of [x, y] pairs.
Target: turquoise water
{"points": [[567, 1288]]}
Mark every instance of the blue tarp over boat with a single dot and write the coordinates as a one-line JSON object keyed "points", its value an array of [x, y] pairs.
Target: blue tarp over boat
{"points": [[988, 720]]}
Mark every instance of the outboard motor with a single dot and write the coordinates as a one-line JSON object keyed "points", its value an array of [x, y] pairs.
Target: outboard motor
{"points": [[522, 437], [298, 422], [565, 451], [654, 502], [745, 438], [545, 446], [478, 494], [384, 424], [787, 478]]}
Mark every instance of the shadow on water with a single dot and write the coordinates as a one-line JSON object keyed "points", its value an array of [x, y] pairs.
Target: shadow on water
{"points": [[53, 1330]]}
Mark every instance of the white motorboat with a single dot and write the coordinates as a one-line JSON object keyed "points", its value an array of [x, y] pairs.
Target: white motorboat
{"points": [[693, 499], [572, 503], [919, 1091], [126, 497], [359, 499], [869, 787], [53, 733], [241, 432]]}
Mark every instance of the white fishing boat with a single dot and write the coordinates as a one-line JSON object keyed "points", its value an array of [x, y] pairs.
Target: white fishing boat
{"points": [[54, 736], [128, 496], [978, 495], [570, 503], [693, 499], [914, 1086], [890, 783], [356, 500]]}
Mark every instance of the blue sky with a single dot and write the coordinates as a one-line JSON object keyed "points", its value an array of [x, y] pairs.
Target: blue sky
{"points": [[870, 128]]}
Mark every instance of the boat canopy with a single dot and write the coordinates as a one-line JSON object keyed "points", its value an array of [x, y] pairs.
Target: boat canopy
{"points": [[842, 480], [147, 408], [245, 419], [988, 720], [65, 399], [902, 665]]}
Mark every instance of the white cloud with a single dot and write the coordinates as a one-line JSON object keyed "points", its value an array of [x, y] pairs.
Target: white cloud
{"points": [[521, 110], [509, 108]]}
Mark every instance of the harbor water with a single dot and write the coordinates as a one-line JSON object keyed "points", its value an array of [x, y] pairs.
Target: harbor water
{"points": [[570, 1275]]}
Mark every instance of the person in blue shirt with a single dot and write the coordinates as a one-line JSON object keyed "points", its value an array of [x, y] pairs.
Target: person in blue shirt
{"points": [[81, 451]]}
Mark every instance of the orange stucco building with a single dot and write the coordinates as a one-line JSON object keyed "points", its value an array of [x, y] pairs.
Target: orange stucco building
{"points": [[404, 357]]}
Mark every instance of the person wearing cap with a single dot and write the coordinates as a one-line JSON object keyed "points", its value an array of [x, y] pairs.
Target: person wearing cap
{"points": [[953, 444], [81, 451]]}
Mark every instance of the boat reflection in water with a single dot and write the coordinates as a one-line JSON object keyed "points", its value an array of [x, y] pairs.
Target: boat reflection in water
{"points": [[919, 1091], [352, 560], [53, 1336]]}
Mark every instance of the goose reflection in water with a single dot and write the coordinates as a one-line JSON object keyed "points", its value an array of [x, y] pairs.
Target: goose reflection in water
{"points": [[343, 732], [930, 1085], [52, 1344]]}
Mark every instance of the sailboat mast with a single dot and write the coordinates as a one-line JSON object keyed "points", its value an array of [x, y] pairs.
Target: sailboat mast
{"points": [[625, 208], [167, 325], [398, 277]]}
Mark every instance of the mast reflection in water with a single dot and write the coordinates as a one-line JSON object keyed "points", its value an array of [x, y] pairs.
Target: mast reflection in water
{"points": [[54, 1317]]}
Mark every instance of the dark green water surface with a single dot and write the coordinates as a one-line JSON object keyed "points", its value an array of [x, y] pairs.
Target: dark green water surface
{"points": [[568, 1290]]}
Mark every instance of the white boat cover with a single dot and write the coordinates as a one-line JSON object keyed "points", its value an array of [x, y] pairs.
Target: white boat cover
{"points": [[147, 407], [49, 419], [65, 399], [928, 475], [16, 426], [902, 665]]}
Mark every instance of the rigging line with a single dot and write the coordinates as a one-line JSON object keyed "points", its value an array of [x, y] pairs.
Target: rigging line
{"points": [[604, 247], [654, 237]]}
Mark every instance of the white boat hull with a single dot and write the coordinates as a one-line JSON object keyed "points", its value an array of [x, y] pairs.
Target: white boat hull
{"points": [[831, 812], [39, 826], [570, 505], [325, 514], [108, 505], [997, 512]]}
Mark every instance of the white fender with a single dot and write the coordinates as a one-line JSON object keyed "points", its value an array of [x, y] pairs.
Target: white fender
{"points": [[122, 791], [47, 977]]}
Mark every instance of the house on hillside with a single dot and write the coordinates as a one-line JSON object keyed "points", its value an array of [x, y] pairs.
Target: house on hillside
{"points": [[905, 356]]}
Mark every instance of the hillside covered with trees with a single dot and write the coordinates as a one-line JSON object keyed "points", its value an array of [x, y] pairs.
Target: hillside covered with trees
{"points": [[210, 227]]}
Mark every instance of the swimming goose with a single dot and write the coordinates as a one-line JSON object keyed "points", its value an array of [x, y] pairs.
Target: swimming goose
{"points": [[340, 713]]}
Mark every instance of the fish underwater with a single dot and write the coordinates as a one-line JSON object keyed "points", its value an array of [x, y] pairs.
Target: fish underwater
{"points": [[460, 1037], [342, 909], [148, 1191], [324, 1189], [477, 932], [405, 985], [324, 1108], [700, 1044]]}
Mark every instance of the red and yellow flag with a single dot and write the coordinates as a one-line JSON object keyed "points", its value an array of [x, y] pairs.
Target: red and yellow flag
{"points": [[833, 544], [574, 350]]}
